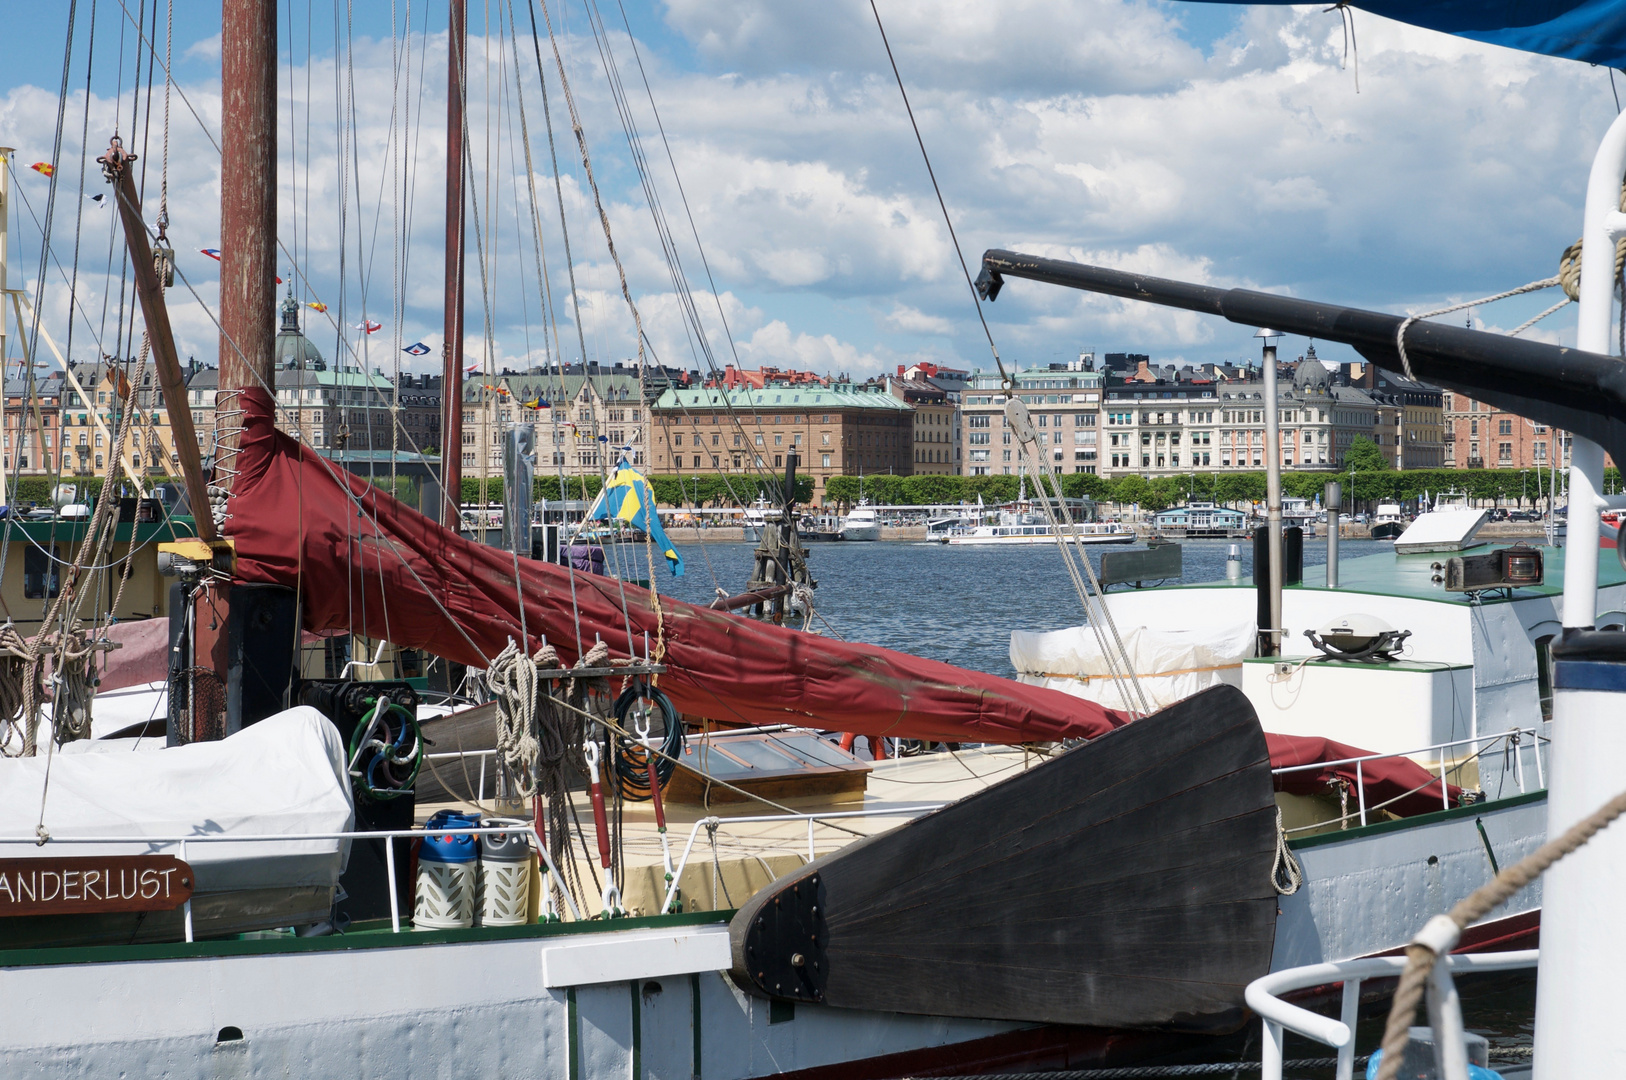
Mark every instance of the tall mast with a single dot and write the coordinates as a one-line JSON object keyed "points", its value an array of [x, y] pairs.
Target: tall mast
{"points": [[5, 218], [5, 291], [248, 215], [451, 394]]}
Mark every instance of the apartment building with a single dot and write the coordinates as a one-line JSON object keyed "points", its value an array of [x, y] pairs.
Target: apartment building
{"points": [[1065, 403], [840, 429]]}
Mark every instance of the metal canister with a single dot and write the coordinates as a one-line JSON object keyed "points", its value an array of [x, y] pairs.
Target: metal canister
{"points": [[503, 885], [447, 872]]}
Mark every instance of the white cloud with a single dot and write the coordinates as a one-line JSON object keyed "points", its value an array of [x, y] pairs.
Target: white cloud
{"points": [[1088, 130], [204, 49]]}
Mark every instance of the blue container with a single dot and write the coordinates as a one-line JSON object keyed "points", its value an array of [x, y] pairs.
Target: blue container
{"points": [[441, 848]]}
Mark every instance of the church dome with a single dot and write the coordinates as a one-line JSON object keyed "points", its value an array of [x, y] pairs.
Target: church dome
{"points": [[294, 350], [1311, 375]]}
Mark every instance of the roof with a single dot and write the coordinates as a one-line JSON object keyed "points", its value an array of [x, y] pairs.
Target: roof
{"points": [[834, 396], [607, 386]]}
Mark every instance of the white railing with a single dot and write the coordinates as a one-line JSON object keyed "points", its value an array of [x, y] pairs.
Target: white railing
{"points": [[1515, 737], [1444, 1007], [811, 819], [181, 842]]}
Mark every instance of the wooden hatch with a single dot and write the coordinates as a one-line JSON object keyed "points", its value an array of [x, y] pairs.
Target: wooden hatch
{"points": [[777, 765]]}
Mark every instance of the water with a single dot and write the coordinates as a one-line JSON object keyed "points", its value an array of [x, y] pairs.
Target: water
{"points": [[960, 604], [956, 604]]}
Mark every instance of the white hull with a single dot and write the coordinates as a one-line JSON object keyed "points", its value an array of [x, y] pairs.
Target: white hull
{"points": [[641, 1001], [861, 532]]}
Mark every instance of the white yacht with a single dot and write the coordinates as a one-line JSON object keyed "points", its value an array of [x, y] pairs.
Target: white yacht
{"points": [[862, 524], [1025, 525]]}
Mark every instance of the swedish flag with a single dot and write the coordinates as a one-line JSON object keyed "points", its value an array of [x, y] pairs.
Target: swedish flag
{"points": [[627, 498]]}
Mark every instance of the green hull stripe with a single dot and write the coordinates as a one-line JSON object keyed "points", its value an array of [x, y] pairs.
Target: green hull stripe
{"points": [[371, 938], [1420, 819]]}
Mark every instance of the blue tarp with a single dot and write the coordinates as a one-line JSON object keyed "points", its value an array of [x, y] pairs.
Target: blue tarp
{"points": [[1593, 31]]}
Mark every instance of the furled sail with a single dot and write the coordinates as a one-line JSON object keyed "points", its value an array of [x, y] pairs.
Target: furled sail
{"points": [[363, 561]]}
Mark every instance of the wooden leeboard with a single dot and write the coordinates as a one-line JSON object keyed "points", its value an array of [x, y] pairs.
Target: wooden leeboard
{"points": [[1126, 883], [85, 885]]}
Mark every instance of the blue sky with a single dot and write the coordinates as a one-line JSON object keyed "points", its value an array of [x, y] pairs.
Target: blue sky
{"points": [[1209, 142]]}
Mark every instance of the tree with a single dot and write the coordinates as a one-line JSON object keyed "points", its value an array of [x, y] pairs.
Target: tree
{"points": [[1363, 455], [1130, 488]]}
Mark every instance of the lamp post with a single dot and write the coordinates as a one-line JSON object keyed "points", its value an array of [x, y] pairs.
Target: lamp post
{"points": [[1270, 637]]}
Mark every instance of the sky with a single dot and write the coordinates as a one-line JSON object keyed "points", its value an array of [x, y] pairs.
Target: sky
{"points": [[797, 225]]}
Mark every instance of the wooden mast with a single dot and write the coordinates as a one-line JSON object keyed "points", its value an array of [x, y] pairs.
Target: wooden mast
{"points": [[451, 392], [248, 216]]}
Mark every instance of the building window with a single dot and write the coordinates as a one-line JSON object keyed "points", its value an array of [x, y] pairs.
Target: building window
{"points": [[826, 462], [1504, 427], [1504, 452]]}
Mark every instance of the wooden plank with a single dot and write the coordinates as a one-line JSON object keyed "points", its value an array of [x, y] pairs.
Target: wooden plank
{"points": [[89, 885], [1123, 884]]}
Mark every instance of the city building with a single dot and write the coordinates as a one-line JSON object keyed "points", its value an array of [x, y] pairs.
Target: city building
{"points": [[1065, 403], [1160, 421], [733, 378], [586, 419], [839, 429], [1480, 436], [1409, 417], [935, 447]]}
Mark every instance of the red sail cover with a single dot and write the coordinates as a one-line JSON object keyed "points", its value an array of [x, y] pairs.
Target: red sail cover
{"points": [[387, 571], [1396, 784]]}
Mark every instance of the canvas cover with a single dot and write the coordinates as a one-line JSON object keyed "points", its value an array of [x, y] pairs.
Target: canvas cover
{"points": [[285, 774], [1171, 664], [363, 561]]}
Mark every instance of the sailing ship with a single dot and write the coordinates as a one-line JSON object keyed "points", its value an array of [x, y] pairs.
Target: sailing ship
{"points": [[952, 941]]}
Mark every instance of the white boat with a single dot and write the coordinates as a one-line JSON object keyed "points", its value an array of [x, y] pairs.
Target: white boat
{"points": [[1110, 532], [861, 524], [1388, 522]]}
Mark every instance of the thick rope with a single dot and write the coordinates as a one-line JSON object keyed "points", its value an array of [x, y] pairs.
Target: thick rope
{"points": [[1286, 874], [513, 682], [1400, 334], [1421, 958]]}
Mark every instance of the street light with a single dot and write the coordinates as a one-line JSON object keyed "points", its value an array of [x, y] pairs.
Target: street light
{"points": [[1270, 638]]}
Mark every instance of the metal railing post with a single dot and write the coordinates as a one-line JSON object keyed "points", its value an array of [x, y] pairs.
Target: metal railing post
{"points": [[1270, 1053], [810, 855], [187, 914], [1541, 773], [395, 903], [1518, 759], [1349, 1014], [1360, 791], [1445, 790]]}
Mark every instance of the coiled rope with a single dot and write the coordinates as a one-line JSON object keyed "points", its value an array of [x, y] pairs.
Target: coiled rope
{"points": [[513, 682], [1442, 931]]}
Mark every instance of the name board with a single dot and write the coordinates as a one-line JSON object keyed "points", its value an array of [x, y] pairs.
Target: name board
{"points": [[84, 886]]}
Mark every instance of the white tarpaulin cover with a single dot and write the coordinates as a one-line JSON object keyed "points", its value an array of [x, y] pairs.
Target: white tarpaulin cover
{"points": [[285, 774], [1171, 664]]}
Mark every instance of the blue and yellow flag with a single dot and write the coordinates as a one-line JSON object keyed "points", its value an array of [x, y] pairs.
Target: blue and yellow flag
{"points": [[627, 498]]}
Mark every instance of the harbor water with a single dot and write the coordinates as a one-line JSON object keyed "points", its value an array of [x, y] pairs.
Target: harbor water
{"points": [[956, 604]]}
